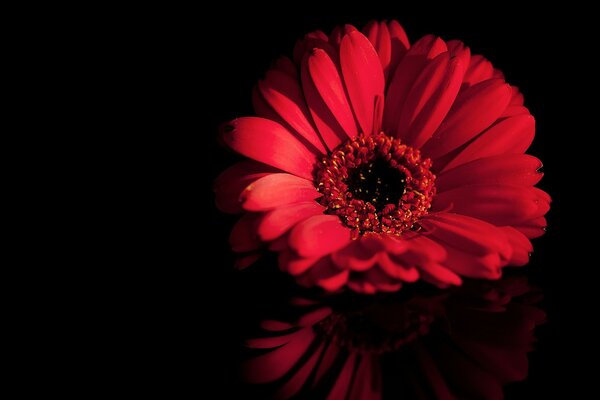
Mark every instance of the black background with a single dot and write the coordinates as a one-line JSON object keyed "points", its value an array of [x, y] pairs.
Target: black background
{"points": [[219, 56]]}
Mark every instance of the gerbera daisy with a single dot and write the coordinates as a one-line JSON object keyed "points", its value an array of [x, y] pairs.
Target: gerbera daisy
{"points": [[373, 163], [464, 343]]}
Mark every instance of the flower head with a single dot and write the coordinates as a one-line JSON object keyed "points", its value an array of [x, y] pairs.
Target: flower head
{"points": [[373, 163]]}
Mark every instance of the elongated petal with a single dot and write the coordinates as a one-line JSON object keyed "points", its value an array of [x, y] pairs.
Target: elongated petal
{"points": [[405, 76], [329, 128], [285, 97], [399, 45], [275, 190], [344, 379], [532, 228], [466, 233], [276, 363], [521, 246], [295, 265], [311, 41], [363, 77], [379, 36], [512, 111], [276, 222], [517, 98], [430, 99], [285, 65], [355, 257], [391, 43], [319, 235], [474, 110], [324, 74], [479, 70], [293, 385], [439, 275], [270, 143], [243, 237], [497, 204], [512, 169], [324, 275], [473, 266], [459, 50], [510, 136], [231, 182]]}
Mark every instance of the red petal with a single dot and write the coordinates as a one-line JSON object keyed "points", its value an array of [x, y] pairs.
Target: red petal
{"points": [[533, 228], [459, 50], [354, 257], [319, 235], [293, 385], [479, 70], [246, 260], [275, 326], [334, 282], [230, 183], [295, 265], [344, 379], [430, 99], [285, 97], [517, 98], [331, 353], [399, 271], [382, 281], [510, 136], [243, 236], [271, 342], [312, 40], [285, 65], [405, 76], [363, 77], [379, 36], [270, 143], [472, 266], [465, 233], [328, 82], [512, 111], [474, 110], [324, 275], [264, 110], [512, 169], [275, 190], [439, 275], [498, 204], [275, 364], [521, 246], [331, 131], [360, 285], [399, 45], [276, 222]]}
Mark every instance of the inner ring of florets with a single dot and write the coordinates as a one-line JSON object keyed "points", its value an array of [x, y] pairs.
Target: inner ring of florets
{"points": [[376, 184]]}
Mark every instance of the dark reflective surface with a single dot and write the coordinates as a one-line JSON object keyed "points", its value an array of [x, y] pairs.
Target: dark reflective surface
{"points": [[463, 343]]}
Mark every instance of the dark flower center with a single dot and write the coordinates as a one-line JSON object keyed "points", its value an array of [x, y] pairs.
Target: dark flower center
{"points": [[376, 184]]}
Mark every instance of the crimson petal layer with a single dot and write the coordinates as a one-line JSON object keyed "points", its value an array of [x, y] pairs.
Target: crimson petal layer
{"points": [[270, 143], [364, 79]]}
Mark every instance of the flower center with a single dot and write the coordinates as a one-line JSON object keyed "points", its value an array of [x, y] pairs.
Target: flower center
{"points": [[376, 184]]}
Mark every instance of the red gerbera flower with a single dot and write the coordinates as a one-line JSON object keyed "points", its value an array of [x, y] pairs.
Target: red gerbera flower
{"points": [[374, 163]]}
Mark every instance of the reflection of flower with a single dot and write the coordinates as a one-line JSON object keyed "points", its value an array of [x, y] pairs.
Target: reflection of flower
{"points": [[374, 163], [463, 343]]}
